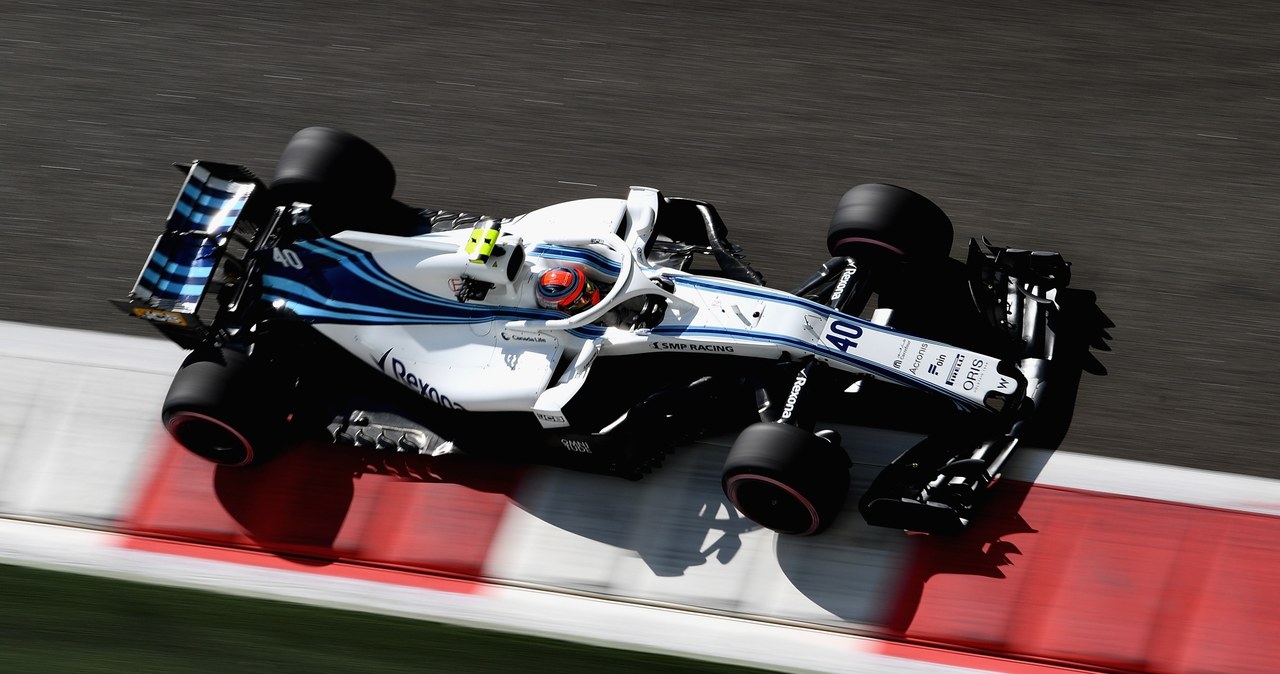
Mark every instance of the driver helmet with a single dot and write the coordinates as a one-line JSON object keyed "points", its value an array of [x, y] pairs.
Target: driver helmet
{"points": [[566, 289]]}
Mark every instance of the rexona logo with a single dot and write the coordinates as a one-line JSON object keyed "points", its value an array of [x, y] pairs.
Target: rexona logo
{"points": [[794, 395], [401, 372], [842, 283]]}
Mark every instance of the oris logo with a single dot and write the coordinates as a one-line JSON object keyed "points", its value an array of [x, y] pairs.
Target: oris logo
{"points": [[971, 377]]}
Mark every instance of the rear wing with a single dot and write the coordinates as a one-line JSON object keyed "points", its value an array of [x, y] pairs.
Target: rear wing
{"points": [[203, 249]]}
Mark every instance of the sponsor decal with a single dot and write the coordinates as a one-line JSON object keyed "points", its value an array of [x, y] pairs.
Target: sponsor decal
{"points": [[692, 346], [842, 283], [530, 337], [841, 334], [936, 366], [915, 363], [955, 369], [794, 395], [902, 354], [971, 376], [161, 316], [400, 371], [286, 257], [551, 418], [579, 446]]}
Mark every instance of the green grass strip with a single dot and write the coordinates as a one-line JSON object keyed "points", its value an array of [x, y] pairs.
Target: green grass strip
{"points": [[61, 622]]}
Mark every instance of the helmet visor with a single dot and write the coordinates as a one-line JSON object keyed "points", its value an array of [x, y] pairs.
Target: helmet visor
{"points": [[566, 289], [585, 299]]}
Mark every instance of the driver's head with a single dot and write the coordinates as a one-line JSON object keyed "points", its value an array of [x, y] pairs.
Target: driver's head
{"points": [[566, 289]]}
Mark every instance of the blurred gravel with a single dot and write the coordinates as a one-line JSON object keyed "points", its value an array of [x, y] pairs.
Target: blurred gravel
{"points": [[1138, 138]]}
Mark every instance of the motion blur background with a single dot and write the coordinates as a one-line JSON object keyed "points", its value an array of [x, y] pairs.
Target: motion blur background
{"points": [[1137, 138]]}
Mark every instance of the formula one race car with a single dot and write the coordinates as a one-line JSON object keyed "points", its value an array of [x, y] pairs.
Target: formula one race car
{"points": [[320, 306]]}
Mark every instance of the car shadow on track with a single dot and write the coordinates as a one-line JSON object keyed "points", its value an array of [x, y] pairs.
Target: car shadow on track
{"points": [[673, 520], [317, 504]]}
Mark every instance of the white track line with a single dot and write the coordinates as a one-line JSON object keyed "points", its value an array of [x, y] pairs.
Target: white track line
{"points": [[587, 620]]}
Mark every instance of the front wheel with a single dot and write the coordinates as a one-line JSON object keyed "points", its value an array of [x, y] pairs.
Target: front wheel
{"points": [[222, 407], [786, 479], [887, 219]]}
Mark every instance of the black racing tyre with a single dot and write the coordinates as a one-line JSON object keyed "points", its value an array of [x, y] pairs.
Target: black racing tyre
{"points": [[786, 479], [888, 218], [333, 168], [224, 409]]}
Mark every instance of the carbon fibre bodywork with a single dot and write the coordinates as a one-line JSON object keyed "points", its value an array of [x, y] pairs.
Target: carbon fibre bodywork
{"points": [[400, 336]]}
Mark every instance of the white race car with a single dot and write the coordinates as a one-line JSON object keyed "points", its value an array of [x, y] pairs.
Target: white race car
{"points": [[319, 305]]}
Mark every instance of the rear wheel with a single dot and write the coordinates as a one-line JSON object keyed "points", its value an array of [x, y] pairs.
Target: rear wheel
{"points": [[786, 479], [348, 181], [323, 164], [887, 219], [222, 407]]}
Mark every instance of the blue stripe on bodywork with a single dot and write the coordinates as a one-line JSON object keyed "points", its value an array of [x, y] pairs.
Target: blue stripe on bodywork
{"points": [[361, 264], [163, 265], [214, 212], [302, 294], [199, 205], [365, 293], [588, 257], [196, 196], [194, 189], [182, 273], [171, 285]]}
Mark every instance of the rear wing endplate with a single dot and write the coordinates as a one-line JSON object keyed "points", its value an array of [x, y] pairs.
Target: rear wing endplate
{"points": [[215, 208]]}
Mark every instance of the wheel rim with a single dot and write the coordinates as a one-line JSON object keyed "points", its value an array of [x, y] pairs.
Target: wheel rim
{"points": [[863, 240], [772, 504], [210, 438]]}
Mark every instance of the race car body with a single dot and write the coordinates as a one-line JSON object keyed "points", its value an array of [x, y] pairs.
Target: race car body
{"points": [[278, 289]]}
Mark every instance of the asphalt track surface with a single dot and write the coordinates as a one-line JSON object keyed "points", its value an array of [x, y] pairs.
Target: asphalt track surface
{"points": [[1139, 138]]}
